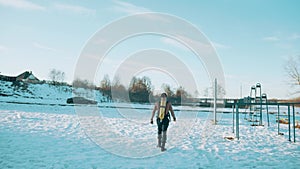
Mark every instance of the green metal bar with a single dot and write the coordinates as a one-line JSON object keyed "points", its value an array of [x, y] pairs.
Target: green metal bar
{"points": [[278, 112], [250, 110], [289, 121], [267, 112], [294, 123], [237, 122], [269, 103], [260, 112], [232, 118]]}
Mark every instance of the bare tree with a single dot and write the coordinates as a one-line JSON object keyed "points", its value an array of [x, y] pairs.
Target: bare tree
{"points": [[119, 92], [209, 91], [61, 76], [56, 76], [105, 83], [221, 91], [79, 83], [292, 68], [167, 89], [140, 89], [181, 92], [206, 92], [52, 75]]}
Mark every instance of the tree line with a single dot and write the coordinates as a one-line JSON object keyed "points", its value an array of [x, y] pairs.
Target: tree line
{"points": [[140, 90]]}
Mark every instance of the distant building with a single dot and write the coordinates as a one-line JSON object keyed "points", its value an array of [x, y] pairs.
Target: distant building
{"points": [[24, 77], [27, 77], [8, 78]]}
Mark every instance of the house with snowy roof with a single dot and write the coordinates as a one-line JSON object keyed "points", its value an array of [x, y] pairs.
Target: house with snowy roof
{"points": [[26, 76]]}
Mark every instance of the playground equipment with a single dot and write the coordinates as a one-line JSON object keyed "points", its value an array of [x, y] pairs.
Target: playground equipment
{"points": [[288, 116], [250, 98], [255, 110], [265, 101], [240, 103], [258, 109], [255, 103]]}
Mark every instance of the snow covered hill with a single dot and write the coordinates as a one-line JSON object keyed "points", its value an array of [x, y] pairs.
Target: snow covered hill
{"points": [[19, 92]]}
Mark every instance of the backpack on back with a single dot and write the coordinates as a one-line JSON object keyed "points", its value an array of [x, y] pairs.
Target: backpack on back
{"points": [[162, 108]]}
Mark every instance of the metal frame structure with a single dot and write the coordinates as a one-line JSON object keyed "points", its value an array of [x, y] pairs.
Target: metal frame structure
{"points": [[241, 102], [255, 111]]}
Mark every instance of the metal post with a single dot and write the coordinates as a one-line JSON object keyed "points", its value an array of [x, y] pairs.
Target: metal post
{"points": [[255, 107], [289, 121], [237, 121], [294, 123], [253, 100], [250, 109], [241, 92], [233, 118], [268, 112], [268, 116], [215, 101], [260, 113], [278, 112]]}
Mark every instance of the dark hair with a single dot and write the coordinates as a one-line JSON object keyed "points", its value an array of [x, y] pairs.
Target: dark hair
{"points": [[164, 95]]}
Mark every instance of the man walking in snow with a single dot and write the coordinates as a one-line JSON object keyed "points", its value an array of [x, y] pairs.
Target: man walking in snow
{"points": [[163, 118]]}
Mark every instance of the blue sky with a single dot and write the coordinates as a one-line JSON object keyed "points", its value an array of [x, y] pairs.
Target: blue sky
{"points": [[252, 38]]}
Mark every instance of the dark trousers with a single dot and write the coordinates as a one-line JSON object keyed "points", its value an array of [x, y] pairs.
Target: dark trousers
{"points": [[162, 125]]}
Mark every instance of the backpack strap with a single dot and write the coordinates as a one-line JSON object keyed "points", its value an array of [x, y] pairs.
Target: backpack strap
{"points": [[162, 109]]}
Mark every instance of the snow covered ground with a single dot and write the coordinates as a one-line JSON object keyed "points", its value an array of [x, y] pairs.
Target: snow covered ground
{"points": [[101, 136]]}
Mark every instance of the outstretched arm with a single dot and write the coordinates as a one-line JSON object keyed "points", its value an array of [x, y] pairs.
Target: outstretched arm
{"points": [[172, 112], [153, 113]]}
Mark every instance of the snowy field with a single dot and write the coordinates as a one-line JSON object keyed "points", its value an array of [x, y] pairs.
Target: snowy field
{"points": [[36, 134]]}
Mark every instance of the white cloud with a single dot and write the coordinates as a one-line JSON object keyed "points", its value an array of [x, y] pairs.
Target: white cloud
{"points": [[270, 38], [21, 4], [2, 48], [173, 42], [177, 44], [220, 46], [199, 45], [40, 46], [128, 8], [294, 36], [75, 9]]}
